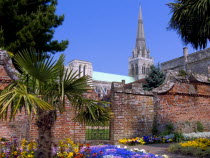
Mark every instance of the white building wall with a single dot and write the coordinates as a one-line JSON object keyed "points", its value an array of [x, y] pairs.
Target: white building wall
{"points": [[84, 67]]}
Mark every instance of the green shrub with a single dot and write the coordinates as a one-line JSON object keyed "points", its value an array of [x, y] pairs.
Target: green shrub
{"points": [[173, 148], [187, 150], [169, 128], [200, 127], [198, 152], [154, 129], [182, 73], [194, 151], [207, 152], [178, 137]]}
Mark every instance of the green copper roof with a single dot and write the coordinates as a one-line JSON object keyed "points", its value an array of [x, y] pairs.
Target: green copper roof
{"points": [[100, 76]]}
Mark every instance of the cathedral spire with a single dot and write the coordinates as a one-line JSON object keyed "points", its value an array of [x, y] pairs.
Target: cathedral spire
{"points": [[140, 39], [140, 61]]}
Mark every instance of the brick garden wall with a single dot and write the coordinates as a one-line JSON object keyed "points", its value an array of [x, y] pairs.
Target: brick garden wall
{"points": [[4, 78], [133, 116], [184, 105]]}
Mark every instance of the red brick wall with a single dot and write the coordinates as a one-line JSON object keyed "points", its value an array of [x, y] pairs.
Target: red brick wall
{"points": [[17, 128], [65, 127], [133, 115], [7, 128], [184, 105], [4, 78]]}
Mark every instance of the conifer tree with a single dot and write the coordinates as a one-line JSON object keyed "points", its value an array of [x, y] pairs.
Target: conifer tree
{"points": [[27, 24], [154, 79]]}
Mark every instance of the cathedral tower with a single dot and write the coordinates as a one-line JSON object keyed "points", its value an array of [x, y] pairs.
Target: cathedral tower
{"points": [[140, 62]]}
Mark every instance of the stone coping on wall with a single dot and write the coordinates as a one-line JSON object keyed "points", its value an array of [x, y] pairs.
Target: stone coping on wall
{"points": [[136, 88], [171, 78]]}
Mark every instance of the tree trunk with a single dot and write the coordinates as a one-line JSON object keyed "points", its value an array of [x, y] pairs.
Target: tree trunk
{"points": [[45, 123]]}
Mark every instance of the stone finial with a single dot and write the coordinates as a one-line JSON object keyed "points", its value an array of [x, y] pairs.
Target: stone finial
{"points": [[185, 54]]}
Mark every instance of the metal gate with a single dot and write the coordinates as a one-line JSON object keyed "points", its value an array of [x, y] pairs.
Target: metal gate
{"points": [[97, 133]]}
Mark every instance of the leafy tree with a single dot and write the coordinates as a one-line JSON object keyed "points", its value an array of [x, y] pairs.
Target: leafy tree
{"points": [[30, 24], [154, 79], [41, 89], [191, 20]]}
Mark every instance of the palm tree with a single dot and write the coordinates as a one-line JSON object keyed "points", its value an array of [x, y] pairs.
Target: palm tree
{"points": [[191, 20], [41, 89]]}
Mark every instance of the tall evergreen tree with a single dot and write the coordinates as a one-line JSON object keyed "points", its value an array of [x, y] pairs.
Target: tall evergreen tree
{"points": [[191, 20], [26, 24], [154, 79]]}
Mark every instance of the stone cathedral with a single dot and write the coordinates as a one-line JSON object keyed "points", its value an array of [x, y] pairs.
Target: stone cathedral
{"points": [[139, 64]]}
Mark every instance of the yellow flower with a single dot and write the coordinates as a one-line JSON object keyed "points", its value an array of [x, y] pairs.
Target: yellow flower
{"points": [[76, 150], [70, 155], [15, 153], [197, 143], [30, 156]]}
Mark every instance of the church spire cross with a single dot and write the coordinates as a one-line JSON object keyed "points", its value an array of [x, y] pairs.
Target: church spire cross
{"points": [[140, 39]]}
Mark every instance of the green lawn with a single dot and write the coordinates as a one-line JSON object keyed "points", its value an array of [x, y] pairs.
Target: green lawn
{"points": [[97, 134]]}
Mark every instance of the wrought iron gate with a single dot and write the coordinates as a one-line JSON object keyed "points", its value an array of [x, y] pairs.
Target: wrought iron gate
{"points": [[97, 132]]}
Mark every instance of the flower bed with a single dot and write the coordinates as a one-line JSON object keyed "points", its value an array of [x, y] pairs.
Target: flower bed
{"points": [[190, 136], [132, 141], [27, 149], [199, 147], [147, 140], [68, 149], [111, 151], [202, 143]]}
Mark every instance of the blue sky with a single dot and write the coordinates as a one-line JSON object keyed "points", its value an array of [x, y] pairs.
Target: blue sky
{"points": [[104, 32]]}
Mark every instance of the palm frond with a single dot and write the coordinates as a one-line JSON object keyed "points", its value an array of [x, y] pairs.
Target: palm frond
{"points": [[14, 98], [93, 113], [41, 67], [191, 20]]}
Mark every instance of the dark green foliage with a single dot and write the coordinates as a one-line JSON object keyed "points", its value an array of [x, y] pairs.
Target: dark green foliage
{"points": [[174, 148], [200, 127], [169, 129], [1, 37], [178, 137], [154, 79], [182, 73], [154, 129], [191, 20], [3, 139], [30, 24]]}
